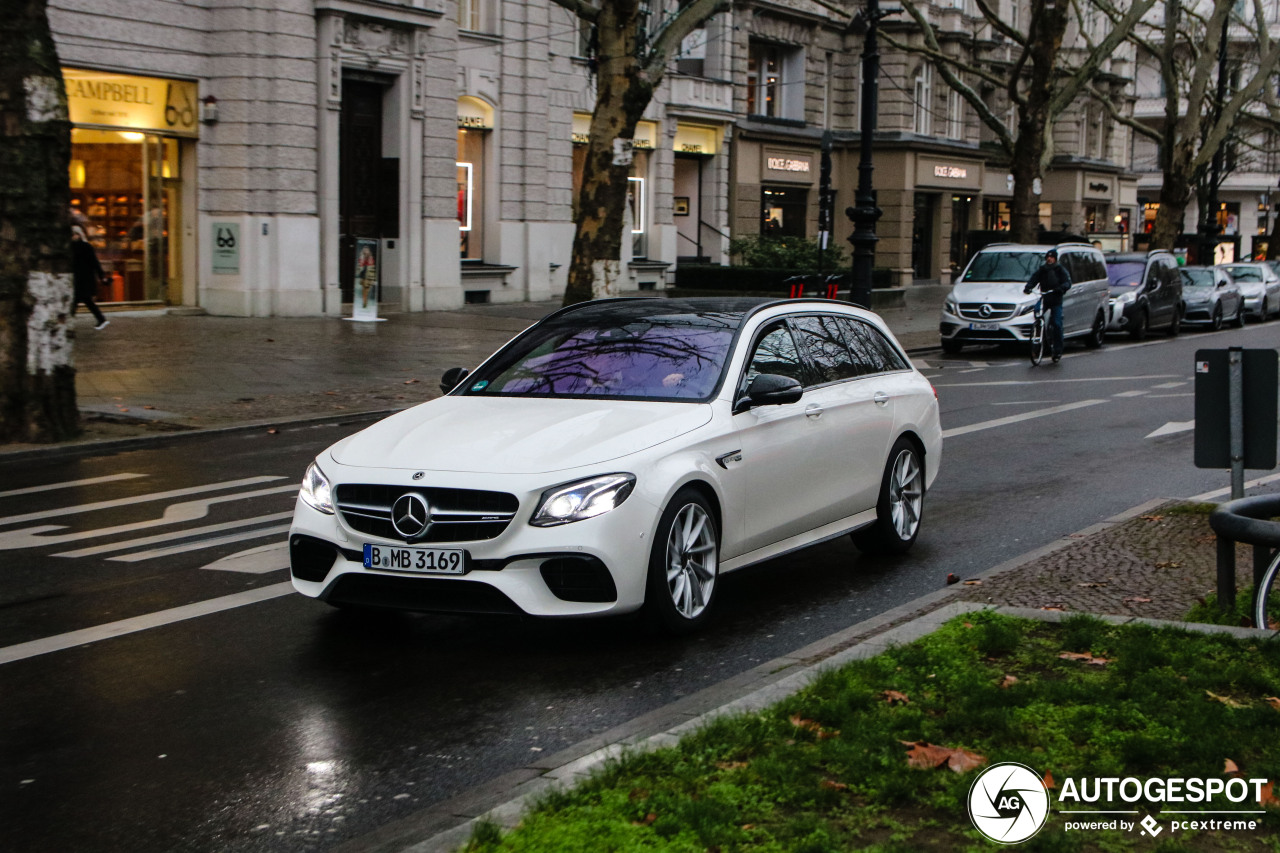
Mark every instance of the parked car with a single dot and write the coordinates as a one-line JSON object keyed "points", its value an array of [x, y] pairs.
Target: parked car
{"points": [[1211, 297], [1260, 286], [987, 305], [1146, 293], [622, 454]]}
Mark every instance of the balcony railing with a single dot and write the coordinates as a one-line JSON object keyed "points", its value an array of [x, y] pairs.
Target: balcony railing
{"points": [[699, 93]]}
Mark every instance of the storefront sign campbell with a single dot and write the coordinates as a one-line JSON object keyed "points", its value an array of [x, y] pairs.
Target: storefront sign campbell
{"points": [[131, 102]]}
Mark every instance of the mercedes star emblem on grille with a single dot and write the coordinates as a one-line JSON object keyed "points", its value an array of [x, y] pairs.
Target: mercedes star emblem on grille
{"points": [[419, 475], [985, 311], [410, 515]]}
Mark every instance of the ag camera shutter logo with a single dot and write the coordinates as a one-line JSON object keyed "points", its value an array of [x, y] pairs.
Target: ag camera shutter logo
{"points": [[1008, 803]]}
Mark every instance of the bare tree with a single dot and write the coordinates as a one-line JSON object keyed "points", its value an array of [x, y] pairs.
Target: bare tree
{"points": [[1195, 127], [37, 379], [1037, 78], [630, 64]]}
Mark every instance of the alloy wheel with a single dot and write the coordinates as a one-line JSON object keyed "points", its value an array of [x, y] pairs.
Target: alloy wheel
{"points": [[906, 494], [692, 557]]}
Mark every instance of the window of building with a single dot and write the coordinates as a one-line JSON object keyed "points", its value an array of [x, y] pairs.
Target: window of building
{"points": [[995, 215], [955, 115], [475, 15], [475, 124], [784, 211], [924, 100], [775, 81]]}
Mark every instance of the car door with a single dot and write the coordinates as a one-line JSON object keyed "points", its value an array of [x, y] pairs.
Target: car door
{"points": [[1152, 289], [782, 446], [885, 377], [1075, 298], [1229, 294]]}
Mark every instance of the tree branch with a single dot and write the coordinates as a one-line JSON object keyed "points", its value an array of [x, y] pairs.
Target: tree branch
{"points": [[580, 8], [668, 39]]}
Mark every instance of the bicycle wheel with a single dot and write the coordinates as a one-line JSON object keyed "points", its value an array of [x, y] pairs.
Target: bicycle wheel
{"points": [[1037, 341], [1264, 615]]}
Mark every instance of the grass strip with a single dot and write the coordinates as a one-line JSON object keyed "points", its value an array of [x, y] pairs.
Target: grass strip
{"points": [[826, 770]]}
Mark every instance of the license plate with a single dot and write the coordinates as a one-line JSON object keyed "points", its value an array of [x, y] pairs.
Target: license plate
{"points": [[436, 561], [985, 327]]}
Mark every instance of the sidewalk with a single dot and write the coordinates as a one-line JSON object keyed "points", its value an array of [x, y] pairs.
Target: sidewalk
{"points": [[152, 372]]}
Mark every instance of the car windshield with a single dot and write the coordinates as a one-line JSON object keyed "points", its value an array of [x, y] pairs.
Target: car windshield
{"points": [[1243, 273], [1003, 266], [630, 353], [1125, 273], [1197, 278]]}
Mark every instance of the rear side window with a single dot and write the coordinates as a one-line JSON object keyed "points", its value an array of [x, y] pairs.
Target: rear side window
{"points": [[823, 338], [871, 349], [776, 353]]}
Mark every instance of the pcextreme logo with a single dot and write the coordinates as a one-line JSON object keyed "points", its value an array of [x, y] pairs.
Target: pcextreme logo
{"points": [[1008, 802]]}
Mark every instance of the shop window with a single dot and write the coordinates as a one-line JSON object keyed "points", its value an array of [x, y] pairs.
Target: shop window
{"points": [[775, 81], [475, 122], [995, 215], [784, 211], [638, 200]]}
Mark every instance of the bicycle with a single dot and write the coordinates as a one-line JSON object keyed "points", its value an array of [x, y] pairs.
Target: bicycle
{"points": [[1262, 595], [1039, 340]]}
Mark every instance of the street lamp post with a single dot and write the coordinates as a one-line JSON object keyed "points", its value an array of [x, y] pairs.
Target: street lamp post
{"points": [[865, 213]]}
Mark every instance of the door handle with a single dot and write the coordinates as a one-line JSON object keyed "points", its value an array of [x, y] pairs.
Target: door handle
{"points": [[880, 398], [812, 410]]}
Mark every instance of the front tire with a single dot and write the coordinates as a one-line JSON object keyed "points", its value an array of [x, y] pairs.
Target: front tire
{"points": [[1175, 325], [1238, 322], [1215, 322], [683, 564], [1140, 324], [1098, 334], [901, 505]]}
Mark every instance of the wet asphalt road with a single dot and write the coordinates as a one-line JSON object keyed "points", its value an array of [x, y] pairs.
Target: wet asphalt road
{"points": [[283, 725]]}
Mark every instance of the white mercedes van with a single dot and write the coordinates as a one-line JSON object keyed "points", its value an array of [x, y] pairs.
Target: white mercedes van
{"points": [[987, 305]]}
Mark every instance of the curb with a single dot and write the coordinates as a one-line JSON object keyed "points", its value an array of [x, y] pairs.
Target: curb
{"points": [[448, 825], [116, 444]]}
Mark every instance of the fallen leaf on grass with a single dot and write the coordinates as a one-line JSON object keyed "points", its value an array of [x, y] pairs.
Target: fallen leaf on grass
{"points": [[1267, 798], [929, 756], [973, 583], [893, 697], [1273, 701], [834, 786], [1084, 657], [1137, 600], [1056, 607], [1225, 700], [1047, 781], [815, 727], [1008, 681], [1229, 767], [148, 407], [1151, 517], [968, 624], [648, 819], [731, 765]]}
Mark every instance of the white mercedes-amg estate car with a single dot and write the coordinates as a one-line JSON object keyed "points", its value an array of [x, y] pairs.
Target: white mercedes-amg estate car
{"points": [[624, 454]]}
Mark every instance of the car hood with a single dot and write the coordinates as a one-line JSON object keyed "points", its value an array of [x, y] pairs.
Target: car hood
{"points": [[511, 435], [978, 291]]}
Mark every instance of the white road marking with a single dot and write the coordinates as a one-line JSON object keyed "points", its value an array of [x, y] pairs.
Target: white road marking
{"points": [[1217, 493], [71, 484], [1023, 403], [202, 543], [974, 370], [61, 642], [1168, 396], [1013, 419], [174, 536], [1173, 427], [1051, 381], [920, 364], [1170, 385], [154, 496], [255, 561], [1137, 393], [28, 537]]}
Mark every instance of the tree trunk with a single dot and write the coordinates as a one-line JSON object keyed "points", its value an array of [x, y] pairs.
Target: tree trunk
{"points": [[1175, 195], [623, 91], [37, 379], [1024, 209], [1048, 26]]}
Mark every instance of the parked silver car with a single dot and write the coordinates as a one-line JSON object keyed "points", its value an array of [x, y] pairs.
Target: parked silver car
{"points": [[1260, 286], [1212, 297]]}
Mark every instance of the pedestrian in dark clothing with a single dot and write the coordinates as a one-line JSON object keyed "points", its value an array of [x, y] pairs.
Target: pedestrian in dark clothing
{"points": [[87, 272], [1054, 281]]}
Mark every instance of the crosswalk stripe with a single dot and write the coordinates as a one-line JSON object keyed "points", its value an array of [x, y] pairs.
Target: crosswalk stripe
{"points": [[176, 535], [154, 496], [198, 545], [60, 642], [70, 484], [255, 561]]}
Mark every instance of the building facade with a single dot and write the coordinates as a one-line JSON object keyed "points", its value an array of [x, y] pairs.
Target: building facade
{"points": [[302, 157]]}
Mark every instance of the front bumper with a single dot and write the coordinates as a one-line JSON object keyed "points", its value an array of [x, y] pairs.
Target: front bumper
{"points": [[1199, 312], [592, 567], [963, 330]]}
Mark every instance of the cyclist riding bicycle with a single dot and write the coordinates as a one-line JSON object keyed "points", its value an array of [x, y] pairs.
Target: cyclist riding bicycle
{"points": [[1054, 281]]}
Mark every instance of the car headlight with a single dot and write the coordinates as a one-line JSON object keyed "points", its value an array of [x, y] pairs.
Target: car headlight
{"points": [[950, 307], [1026, 309], [1126, 298], [583, 499], [316, 490]]}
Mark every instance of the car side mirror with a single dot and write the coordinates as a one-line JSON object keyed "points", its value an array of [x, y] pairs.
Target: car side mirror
{"points": [[769, 389], [452, 379]]}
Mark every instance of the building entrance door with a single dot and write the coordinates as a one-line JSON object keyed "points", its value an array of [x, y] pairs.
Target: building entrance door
{"points": [[922, 235], [360, 188]]}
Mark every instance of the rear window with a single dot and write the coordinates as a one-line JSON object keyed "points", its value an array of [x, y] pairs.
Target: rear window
{"points": [[1125, 273], [675, 357], [1197, 278], [1003, 266]]}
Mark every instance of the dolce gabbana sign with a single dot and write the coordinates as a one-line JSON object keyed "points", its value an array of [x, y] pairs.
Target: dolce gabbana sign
{"points": [[130, 102], [789, 166]]}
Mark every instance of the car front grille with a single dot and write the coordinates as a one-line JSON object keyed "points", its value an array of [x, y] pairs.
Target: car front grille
{"points": [[997, 311], [457, 515]]}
